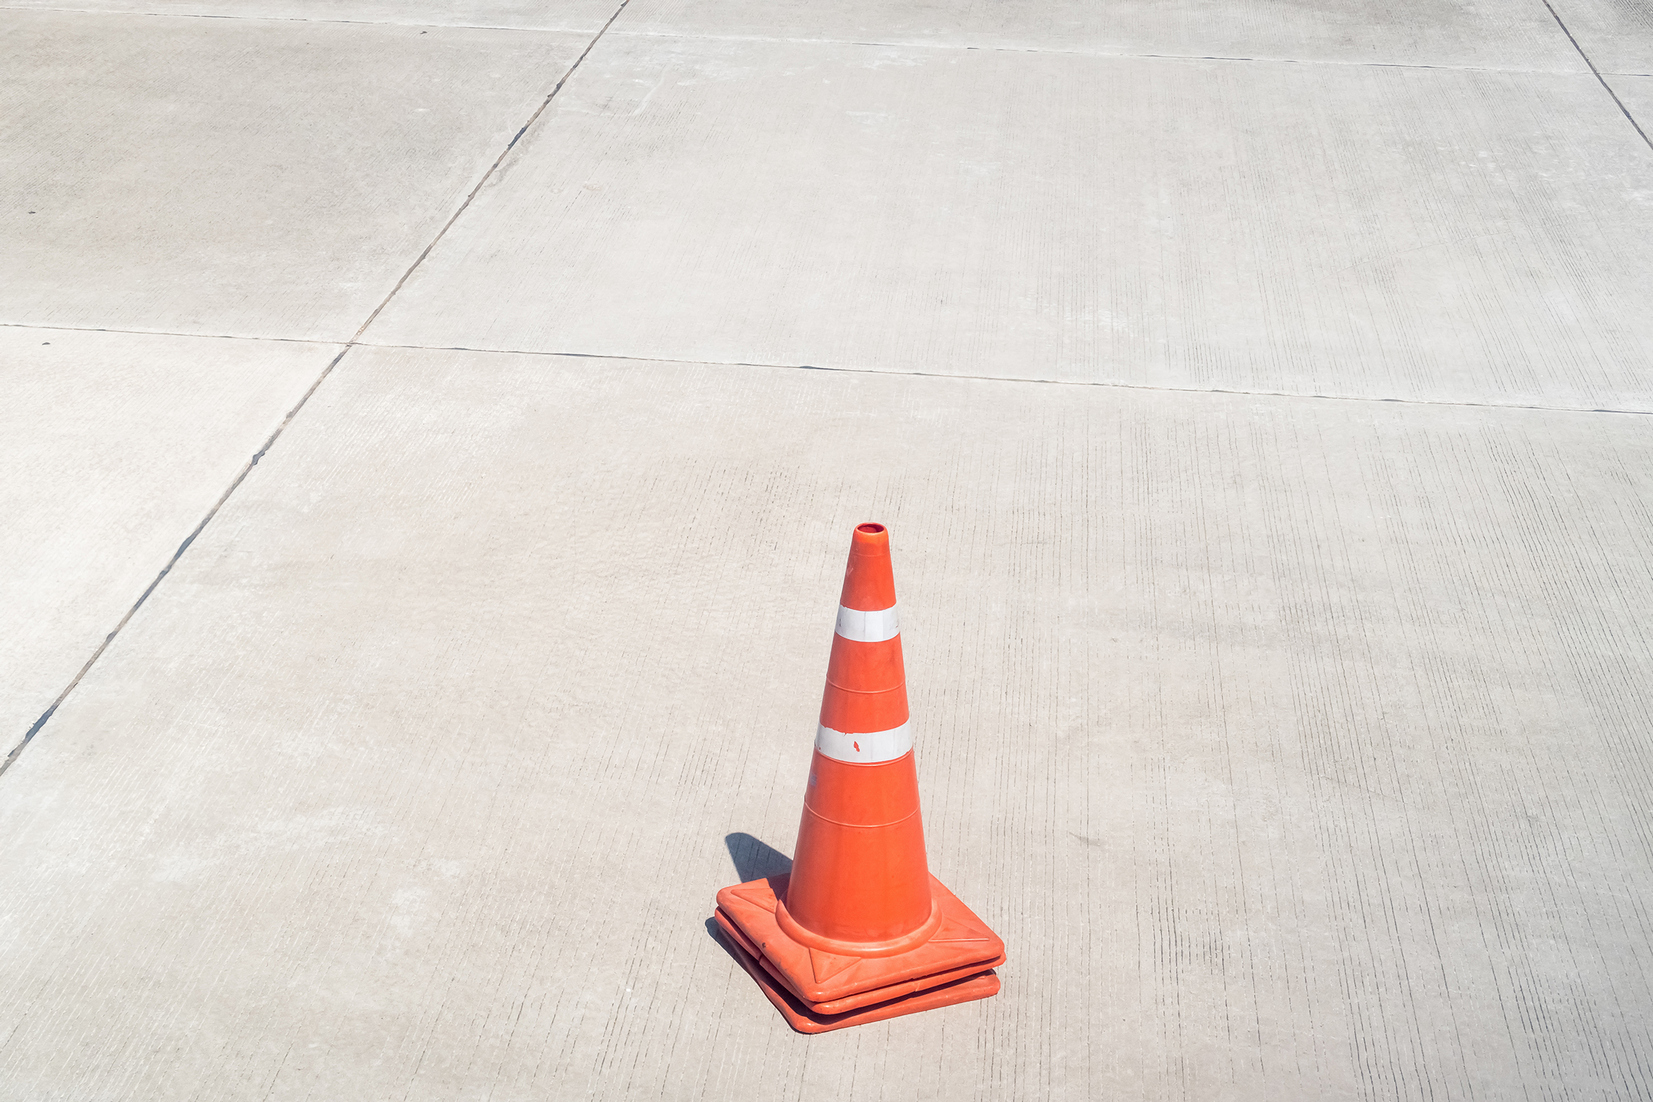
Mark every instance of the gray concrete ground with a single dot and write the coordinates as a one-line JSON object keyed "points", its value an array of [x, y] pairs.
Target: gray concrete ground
{"points": [[1257, 394]]}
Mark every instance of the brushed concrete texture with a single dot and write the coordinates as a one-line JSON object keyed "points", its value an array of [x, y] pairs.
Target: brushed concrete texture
{"points": [[242, 177], [1616, 34], [546, 15], [1344, 230], [112, 448], [1295, 747], [1498, 34], [1636, 93]]}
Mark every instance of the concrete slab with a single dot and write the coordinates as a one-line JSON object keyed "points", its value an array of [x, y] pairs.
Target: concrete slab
{"points": [[548, 15], [1296, 747], [112, 449], [1343, 230], [1520, 34], [1617, 34], [242, 177], [1636, 93]]}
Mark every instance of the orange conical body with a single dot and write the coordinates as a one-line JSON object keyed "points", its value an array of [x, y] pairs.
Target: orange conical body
{"points": [[859, 879]]}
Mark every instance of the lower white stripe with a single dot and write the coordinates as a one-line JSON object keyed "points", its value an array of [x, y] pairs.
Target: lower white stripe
{"points": [[864, 749], [868, 627]]}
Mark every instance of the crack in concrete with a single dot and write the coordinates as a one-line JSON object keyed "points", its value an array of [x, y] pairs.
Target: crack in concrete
{"points": [[619, 356], [1107, 384], [319, 341]]}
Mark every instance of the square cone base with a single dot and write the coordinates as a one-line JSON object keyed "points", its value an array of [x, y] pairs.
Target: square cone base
{"points": [[801, 1018], [961, 945], [732, 933]]}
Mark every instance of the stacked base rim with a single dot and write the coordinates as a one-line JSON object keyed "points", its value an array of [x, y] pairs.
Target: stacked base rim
{"points": [[818, 990]]}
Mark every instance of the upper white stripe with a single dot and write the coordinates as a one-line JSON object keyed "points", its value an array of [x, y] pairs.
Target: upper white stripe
{"points": [[869, 627], [864, 749]]}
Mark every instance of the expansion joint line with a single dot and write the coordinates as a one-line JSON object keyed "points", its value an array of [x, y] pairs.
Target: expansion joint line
{"points": [[1625, 111], [241, 477]]}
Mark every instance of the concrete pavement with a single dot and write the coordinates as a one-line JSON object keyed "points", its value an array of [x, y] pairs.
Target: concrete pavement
{"points": [[1257, 397], [1372, 231]]}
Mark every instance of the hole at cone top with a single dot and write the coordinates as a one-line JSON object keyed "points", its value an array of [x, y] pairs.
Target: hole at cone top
{"points": [[869, 529]]}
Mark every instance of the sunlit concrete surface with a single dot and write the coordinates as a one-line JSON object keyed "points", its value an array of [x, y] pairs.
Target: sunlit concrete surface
{"points": [[1616, 35], [1473, 33], [567, 15], [243, 177], [1287, 743], [1265, 448], [1636, 94], [113, 447], [1312, 229]]}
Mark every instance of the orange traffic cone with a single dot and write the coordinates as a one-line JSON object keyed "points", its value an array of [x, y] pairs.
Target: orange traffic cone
{"points": [[860, 931]]}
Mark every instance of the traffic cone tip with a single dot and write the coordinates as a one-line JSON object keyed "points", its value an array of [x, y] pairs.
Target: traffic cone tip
{"points": [[869, 582]]}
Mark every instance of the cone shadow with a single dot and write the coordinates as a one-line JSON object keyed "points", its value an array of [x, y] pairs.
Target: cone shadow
{"points": [[754, 859], [715, 932]]}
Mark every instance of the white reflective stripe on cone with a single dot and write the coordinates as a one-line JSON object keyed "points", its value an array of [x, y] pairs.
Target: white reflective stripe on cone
{"points": [[868, 627], [867, 748]]}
